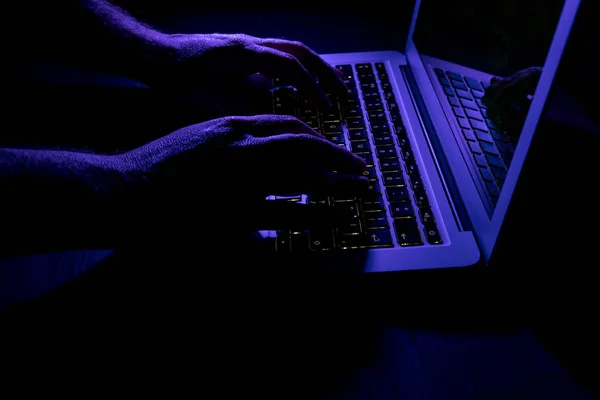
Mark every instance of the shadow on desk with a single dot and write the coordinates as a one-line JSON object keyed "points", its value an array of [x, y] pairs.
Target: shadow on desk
{"points": [[182, 318]]}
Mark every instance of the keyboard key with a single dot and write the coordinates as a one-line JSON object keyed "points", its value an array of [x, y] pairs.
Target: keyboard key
{"points": [[299, 242], [421, 199], [321, 240], [499, 173], [383, 140], [463, 123], [374, 187], [371, 95], [335, 138], [332, 117], [379, 238], [454, 75], [370, 172], [407, 232], [369, 160], [453, 101], [399, 129], [488, 148], [368, 86], [377, 116], [366, 77], [352, 112], [473, 84], [393, 179], [459, 112], [477, 95], [475, 147], [439, 73], [469, 134], [482, 135], [358, 135], [390, 164], [282, 243], [397, 194], [492, 189], [412, 169], [393, 107], [469, 104], [495, 161], [403, 142], [347, 242], [364, 68], [347, 72], [504, 147], [432, 235], [284, 101], [486, 174], [350, 227], [386, 152], [416, 183], [374, 105], [459, 85], [376, 219], [373, 203], [402, 210], [478, 125], [480, 160], [333, 128], [473, 114], [407, 154], [321, 201], [480, 104], [426, 216], [463, 94], [356, 123], [360, 147], [379, 127], [444, 81]]}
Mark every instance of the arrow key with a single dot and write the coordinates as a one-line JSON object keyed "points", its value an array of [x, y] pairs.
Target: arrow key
{"points": [[379, 238], [321, 240], [407, 232]]}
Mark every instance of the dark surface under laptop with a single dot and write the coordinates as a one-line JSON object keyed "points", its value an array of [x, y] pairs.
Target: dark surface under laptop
{"points": [[559, 294]]}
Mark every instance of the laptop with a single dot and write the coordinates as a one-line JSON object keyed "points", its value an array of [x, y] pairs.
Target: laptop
{"points": [[442, 162]]}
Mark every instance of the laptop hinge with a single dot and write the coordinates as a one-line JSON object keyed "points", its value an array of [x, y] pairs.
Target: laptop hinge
{"points": [[441, 162]]}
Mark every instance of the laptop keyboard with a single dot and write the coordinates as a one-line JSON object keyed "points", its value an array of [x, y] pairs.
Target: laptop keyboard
{"points": [[396, 211], [492, 150]]}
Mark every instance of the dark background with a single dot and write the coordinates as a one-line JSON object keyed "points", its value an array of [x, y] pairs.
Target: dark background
{"points": [[550, 283]]}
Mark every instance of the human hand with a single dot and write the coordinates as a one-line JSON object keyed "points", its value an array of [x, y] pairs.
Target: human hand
{"points": [[508, 99], [221, 171], [203, 59]]}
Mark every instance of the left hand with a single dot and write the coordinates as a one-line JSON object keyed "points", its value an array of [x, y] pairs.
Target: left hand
{"points": [[203, 59]]}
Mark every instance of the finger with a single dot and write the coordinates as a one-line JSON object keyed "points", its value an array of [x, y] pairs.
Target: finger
{"points": [[330, 77], [314, 153], [272, 124], [278, 64], [276, 215]]}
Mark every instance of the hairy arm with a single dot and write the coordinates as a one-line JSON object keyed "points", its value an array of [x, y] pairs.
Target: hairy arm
{"points": [[57, 200], [94, 34]]}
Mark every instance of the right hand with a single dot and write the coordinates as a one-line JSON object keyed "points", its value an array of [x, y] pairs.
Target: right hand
{"points": [[224, 169]]}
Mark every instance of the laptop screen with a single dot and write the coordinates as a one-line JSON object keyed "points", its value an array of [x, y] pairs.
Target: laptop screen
{"points": [[491, 64], [498, 47], [496, 37]]}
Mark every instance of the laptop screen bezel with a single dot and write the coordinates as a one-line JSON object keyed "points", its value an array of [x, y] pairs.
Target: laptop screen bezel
{"points": [[487, 230]]}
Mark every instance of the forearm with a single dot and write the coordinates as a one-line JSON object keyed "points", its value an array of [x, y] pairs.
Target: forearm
{"points": [[94, 34], [56, 200]]}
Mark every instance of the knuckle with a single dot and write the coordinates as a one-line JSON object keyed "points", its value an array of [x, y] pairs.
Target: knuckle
{"points": [[298, 44]]}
